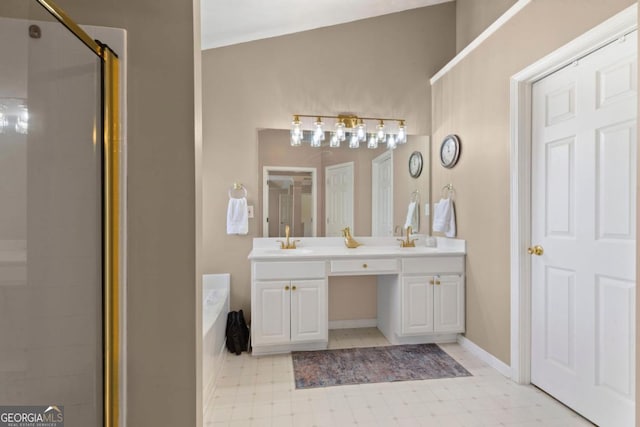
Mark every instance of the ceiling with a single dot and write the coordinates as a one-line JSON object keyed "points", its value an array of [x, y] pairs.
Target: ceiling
{"points": [[227, 22]]}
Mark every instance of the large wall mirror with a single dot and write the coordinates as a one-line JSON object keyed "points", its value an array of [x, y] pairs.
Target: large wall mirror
{"points": [[319, 191]]}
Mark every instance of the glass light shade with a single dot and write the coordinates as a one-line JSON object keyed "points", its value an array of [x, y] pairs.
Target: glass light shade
{"points": [[316, 139], [401, 138], [373, 142], [296, 132], [319, 129], [391, 142], [361, 131], [340, 133], [354, 142], [380, 132], [296, 141], [334, 142]]}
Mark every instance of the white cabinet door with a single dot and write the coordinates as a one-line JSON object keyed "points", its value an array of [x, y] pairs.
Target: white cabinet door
{"points": [[417, 305], [309, 317], [271, 324], [448, 303]]}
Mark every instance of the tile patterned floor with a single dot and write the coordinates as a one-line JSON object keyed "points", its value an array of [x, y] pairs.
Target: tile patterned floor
{"points": [[260, 391]]}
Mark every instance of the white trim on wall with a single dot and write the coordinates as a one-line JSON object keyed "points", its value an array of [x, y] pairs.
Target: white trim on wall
{"points": [[485, 356], [505, 17], [520, 192], [352, 324]]}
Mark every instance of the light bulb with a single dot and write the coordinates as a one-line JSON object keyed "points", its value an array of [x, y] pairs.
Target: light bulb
{"points": [[334, 142], [401, 138], [361, 131], [373, 142], [391, 142], [354, 142], [380, 132], [340, 134]]}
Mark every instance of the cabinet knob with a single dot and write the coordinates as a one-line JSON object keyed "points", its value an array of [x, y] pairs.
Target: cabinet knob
{"points": [[437, 282], [431, 282], [364, 266], [286, 288], [293, 288]]}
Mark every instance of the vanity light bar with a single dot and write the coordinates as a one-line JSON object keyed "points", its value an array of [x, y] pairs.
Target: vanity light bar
{"points": [[348, 123]]}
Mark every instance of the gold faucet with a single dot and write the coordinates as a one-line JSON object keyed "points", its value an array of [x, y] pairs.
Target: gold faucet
{"points": [[349, 241], [287, 244], [408, 243]]}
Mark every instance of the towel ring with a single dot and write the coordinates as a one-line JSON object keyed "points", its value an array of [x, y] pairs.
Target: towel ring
{"points": [[237, 187], [450, 190]]}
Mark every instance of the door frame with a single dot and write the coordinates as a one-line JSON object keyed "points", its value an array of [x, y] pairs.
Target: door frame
{"points": [[265, 194], [520, 175], [375, 167]]}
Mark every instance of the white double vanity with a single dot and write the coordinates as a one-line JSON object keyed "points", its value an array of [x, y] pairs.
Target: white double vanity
{"points": [[420, 290]]}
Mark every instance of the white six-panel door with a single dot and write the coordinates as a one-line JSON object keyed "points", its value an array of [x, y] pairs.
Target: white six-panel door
{"points": [[382, 195], [339, 196], [584, 220]]}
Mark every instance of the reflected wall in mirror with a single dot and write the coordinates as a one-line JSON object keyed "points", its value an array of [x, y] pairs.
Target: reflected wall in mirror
{"points": [[373, 187]]}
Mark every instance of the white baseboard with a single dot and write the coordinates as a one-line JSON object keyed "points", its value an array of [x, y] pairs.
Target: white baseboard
{"points": [[352, 324], [485, 356]]}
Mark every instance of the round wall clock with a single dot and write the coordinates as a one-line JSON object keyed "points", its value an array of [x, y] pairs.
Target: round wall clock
{"points": [[415, 164], [450, 151]]}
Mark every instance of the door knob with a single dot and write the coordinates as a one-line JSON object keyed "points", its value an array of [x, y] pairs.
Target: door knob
{"points": [[536, 250]]}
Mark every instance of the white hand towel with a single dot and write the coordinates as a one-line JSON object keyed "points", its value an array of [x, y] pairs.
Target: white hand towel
{"points": [[237, 216], [444, 217], [410, 216], [451, 229]]}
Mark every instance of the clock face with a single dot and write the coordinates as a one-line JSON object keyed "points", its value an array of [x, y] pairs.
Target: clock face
{"points": [[450, 151], [415, 164]]}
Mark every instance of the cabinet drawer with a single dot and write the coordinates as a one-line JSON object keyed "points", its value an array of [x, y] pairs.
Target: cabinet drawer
{"points": [[433, 265], [364, 266], [289, 270]]}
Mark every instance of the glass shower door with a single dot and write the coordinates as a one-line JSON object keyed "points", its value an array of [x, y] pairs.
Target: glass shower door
{"points": [[50, 217]]}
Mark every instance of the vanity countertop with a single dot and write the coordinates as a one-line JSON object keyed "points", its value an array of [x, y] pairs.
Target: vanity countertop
{"points": [[333, 247]]}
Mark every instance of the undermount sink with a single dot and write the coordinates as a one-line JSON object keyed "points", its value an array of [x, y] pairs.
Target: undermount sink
{"points": [[297, 251]]}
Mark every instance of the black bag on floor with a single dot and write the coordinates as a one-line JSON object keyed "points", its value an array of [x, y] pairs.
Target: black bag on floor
{"points": [[237, 332]]}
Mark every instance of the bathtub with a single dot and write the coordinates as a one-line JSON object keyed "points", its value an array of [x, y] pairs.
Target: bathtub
{"points": [[215, 306]]}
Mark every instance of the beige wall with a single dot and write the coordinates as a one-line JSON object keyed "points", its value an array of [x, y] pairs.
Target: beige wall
{"points": [[472, 100], [374, 67], [474, 16], [161, 202]]}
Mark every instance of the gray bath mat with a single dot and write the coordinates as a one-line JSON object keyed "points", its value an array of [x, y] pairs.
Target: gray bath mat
{"points": [[373, 365]]}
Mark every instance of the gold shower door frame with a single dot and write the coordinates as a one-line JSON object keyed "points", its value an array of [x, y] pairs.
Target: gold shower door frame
{"points": [[111, 212]]}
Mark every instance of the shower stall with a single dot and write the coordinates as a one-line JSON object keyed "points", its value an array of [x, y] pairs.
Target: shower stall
{"points": [[59, 216]]}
